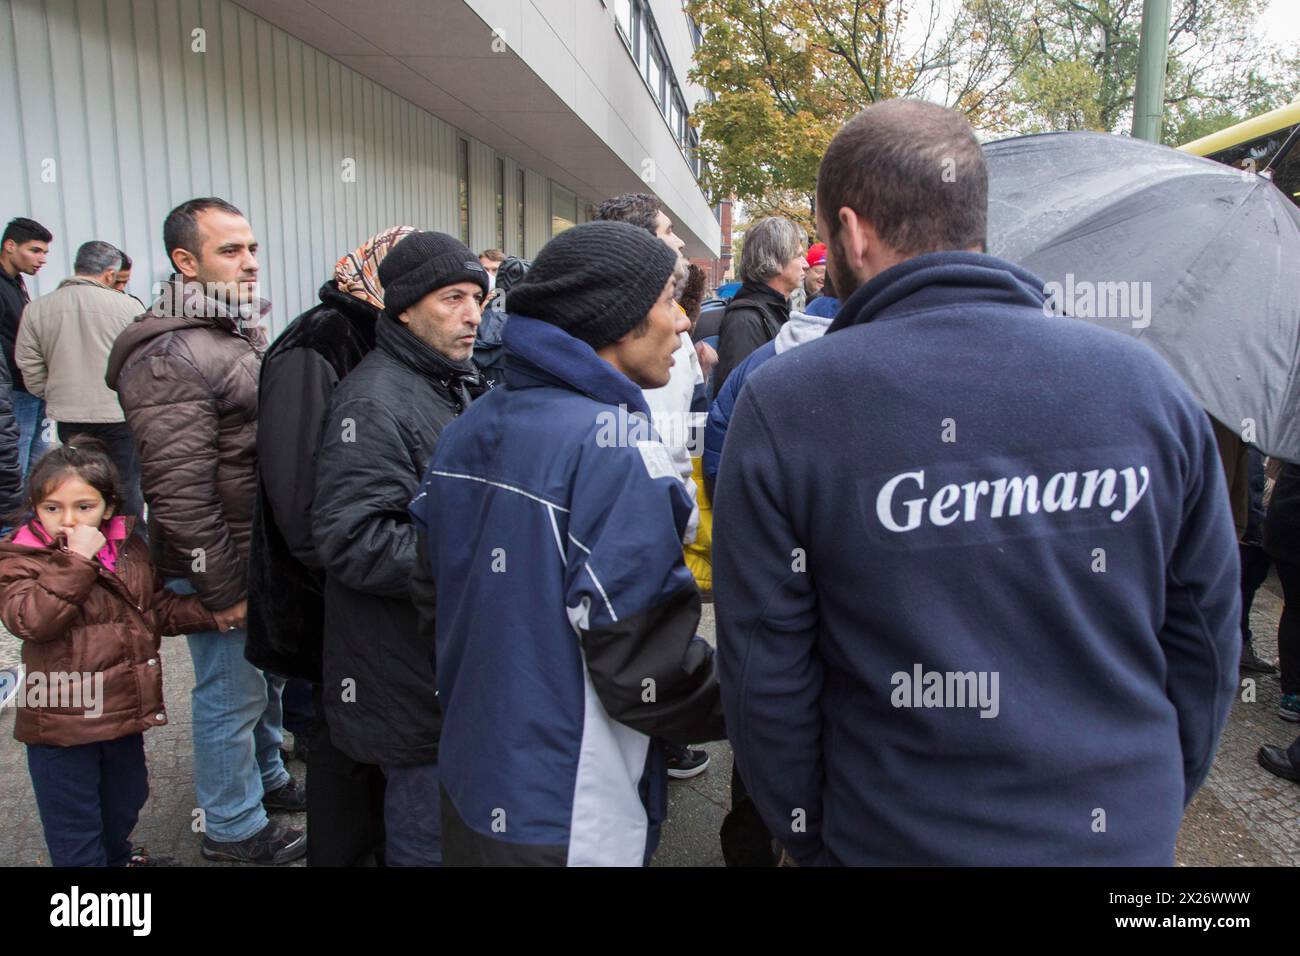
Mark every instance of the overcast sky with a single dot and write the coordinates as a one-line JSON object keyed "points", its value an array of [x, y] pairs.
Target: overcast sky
{"points": [[1281, 23]]}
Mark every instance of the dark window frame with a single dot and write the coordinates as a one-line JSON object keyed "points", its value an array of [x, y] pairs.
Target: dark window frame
{"points": [[462, 186], [522, 212], [501, 204]]}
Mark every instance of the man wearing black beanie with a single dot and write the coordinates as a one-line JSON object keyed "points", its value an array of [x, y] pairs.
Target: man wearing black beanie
{"points": [[552, 511], [383, 422]]}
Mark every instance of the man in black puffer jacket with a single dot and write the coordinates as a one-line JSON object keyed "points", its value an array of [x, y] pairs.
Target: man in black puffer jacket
{"points": [[383, 422], [286, 581]]}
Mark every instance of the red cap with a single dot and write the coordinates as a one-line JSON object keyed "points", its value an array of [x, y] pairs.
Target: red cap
{"points": [[816, 254]]}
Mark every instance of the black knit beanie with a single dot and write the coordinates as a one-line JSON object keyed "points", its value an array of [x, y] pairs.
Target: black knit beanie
{"points": [[424, 262], [596, 281]]}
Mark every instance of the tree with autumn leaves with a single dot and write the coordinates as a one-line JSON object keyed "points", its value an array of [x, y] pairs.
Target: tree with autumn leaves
{"points": [[786, 74]]}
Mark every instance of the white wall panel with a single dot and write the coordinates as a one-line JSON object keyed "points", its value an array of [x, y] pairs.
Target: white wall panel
{"points": [[136, 120]]}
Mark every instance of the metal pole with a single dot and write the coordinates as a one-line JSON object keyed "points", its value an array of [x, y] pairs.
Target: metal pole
{"points": [[1153, 56]]}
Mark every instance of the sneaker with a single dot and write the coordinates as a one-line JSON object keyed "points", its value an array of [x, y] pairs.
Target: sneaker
{"points": [[288, 797], [11, 679], [1290, 708], [684, 763], [273, 844], [1253, 663]]}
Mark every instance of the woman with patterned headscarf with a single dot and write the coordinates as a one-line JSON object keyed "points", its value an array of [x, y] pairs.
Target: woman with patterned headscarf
{"points": [[285, 586]]}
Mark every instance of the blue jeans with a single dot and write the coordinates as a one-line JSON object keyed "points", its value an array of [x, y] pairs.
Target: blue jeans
{"points": [[35, 431], [412, 816], [89, 797], [237, 732]]}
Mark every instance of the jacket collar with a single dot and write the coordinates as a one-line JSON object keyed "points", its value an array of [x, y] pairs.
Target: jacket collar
{"points": [[539, 354], [17, 282], [349, 305], [936, 279], [761, 290], [84, 280], [187, 302], [403, 345], [116, 530]]}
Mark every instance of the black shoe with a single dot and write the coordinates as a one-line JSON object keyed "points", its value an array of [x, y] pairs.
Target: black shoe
{"points": [[1276, 762], [1252, 662], [684, 763], [140, 857], [289, 797], [273, 844]]}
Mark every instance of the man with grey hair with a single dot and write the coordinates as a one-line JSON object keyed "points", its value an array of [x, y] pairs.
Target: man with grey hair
{"points": [[772, 266], [62, 348]]}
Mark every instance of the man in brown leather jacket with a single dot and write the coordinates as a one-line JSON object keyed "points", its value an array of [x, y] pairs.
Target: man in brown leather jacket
{"points": [[186, 374]]}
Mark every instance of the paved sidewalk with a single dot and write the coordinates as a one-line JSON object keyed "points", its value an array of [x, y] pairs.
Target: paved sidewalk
{"points": [[1243, 816]]}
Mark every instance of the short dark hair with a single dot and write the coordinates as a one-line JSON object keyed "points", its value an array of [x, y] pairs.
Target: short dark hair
{"points": [[95, 257], [126, 263], [82, 457], [635, 209], [22, 230], [181, 227], [914, 170]]}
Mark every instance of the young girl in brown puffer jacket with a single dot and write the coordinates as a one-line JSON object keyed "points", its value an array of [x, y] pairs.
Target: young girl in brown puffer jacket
{"points": [[77, 588]]}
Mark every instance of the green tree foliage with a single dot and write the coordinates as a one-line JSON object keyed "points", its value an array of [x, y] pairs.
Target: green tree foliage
{"points": [[1083, 73], [788, 73]]}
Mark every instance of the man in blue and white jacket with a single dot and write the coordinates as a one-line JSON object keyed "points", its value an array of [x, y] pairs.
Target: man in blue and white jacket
{"points": [[564, 615], [975, 570]]}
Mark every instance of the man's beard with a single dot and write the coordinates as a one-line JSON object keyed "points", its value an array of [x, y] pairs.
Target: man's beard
{"points": [[844, 281]]}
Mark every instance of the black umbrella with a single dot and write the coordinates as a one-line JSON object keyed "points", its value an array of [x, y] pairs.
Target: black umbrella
{"points": [[1198, 260]]}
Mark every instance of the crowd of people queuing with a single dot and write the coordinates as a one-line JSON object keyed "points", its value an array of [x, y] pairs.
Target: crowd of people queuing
{"points": [[455, 525]]}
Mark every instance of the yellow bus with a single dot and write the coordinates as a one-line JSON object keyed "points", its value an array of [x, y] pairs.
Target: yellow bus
{"points": [[1268, 143]]}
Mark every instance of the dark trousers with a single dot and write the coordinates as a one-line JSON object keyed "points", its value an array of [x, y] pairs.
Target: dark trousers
{"points": [[744, 837], [117, 436], [89, 797], [299, 712], [1288, 629], [345, 802], [413, 816], [1255, 563]]}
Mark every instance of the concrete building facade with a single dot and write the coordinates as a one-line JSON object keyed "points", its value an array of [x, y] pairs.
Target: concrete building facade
{"points": [[501, 121]]}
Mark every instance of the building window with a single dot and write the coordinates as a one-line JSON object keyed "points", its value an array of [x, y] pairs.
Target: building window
{"points": [[654, 71], [623, 17], [521, 216], [501, 203], [564, 209], [462, 175], [636, 28]]}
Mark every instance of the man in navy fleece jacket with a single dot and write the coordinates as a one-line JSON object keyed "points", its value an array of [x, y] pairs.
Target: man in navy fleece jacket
{"points": [[975, 569]]}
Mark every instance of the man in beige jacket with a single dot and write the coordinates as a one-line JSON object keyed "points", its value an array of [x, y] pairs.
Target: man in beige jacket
{"points": [[62, 349]]}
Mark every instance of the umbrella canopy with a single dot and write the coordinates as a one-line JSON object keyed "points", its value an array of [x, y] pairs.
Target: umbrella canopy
{"points": [[1198, 260]]}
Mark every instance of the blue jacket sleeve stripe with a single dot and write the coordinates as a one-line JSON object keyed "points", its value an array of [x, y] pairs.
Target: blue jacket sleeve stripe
{"points": [[498, 484]]}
